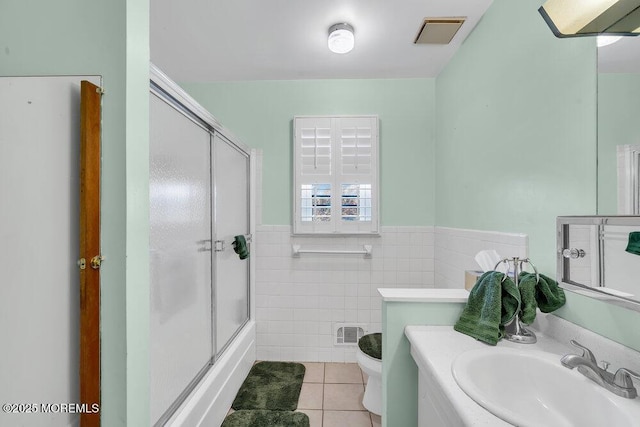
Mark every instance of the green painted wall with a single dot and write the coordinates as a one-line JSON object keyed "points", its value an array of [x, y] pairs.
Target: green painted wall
{"points": [[618, 96], [616, 323], [260, 113], [516, 140], [399, 371], [111, 39], [516, 137]]}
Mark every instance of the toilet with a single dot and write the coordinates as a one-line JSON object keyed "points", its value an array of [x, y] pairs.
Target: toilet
{"points": [[369, 357]]}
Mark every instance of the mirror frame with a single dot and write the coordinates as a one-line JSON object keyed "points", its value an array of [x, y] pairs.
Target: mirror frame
{"points": [[592, 292]]}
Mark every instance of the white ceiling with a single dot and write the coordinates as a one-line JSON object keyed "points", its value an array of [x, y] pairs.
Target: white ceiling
{"points": [[221, 40], [225, 40]]}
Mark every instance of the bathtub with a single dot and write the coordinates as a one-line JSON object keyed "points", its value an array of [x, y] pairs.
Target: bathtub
{"points": [[209, 402]]}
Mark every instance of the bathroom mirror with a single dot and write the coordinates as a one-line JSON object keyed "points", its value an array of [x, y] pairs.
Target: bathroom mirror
{"points": [[618, 127], [598, 256]]}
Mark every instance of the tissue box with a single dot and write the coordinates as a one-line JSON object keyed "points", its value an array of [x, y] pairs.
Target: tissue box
{"points": [[470, 278]]}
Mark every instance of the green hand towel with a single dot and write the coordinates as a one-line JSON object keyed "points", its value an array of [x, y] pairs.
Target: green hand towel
{"points": [[492, 303], [240, 247], [527, 285], [633, 247], [549, 295]]}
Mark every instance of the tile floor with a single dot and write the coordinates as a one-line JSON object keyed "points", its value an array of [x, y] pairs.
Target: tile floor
{"points": [[331, 396]]}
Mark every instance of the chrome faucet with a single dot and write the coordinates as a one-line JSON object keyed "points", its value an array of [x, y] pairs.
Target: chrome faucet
{"points": [[619, 383]]}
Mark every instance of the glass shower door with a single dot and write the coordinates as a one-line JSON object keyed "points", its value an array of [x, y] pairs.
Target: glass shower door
{"points": [[231, 207], [181, 345]]}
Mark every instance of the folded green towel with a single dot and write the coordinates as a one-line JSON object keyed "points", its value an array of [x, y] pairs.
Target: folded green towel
{"points": [[633, 247], [240, 246], [543, 293], [527, 286], [549, 295], [492, 304]]}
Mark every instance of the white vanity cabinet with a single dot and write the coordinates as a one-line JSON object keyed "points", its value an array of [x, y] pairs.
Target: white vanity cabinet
{"points": [[434, 408], [441, 403], [432, 411], [571, 400]]}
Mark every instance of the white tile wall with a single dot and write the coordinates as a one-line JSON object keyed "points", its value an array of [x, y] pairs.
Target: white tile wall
{"points": [[455, 250], [299, 299]]}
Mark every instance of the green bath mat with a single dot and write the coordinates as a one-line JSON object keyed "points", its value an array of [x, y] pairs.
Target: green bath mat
{"points": [[271, 385], [262, 418]]}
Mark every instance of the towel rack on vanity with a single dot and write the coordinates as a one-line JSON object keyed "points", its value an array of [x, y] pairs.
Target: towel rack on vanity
{"points": [[296, 250]]}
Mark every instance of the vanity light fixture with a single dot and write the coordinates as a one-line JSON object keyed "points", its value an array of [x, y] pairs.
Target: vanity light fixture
{"points": [[574, 18], [341, 38]]}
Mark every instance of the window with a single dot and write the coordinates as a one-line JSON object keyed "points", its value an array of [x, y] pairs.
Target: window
{"points": [[336, 175]]}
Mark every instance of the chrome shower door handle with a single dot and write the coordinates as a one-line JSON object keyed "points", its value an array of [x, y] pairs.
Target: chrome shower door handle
{"points": [[219, 246]]}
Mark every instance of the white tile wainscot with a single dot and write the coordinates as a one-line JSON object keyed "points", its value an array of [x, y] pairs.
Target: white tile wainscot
{"points": [[455, 250], [434, 348], [299, 299]]}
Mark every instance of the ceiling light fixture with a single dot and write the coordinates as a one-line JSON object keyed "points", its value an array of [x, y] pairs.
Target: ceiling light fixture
{"points": [[341, 39]]}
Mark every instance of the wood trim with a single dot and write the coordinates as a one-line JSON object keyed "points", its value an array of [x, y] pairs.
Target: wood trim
{"points": [[90, 115]]}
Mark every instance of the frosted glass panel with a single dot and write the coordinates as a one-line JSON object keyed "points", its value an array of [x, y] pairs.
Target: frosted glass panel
{"points": [[231, 212], [180, 243]]}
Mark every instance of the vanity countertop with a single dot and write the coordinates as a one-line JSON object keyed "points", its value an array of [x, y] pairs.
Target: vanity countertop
{"points": [[435, 347]]}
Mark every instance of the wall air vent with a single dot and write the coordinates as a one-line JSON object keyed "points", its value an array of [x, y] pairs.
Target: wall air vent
{"points": [[348, 334], [438, 30]]}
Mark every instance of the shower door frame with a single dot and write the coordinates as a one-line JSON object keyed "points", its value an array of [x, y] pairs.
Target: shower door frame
{"points": [[219, 348], [162, 86]]}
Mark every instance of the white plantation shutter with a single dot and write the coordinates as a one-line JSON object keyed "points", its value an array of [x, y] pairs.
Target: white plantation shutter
{"points": [[336, 175], [355, 136], [315, 148]]}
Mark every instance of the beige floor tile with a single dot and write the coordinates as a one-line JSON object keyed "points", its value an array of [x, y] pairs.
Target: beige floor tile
{"points": [[314, 372], [315, 416], [311, 396], [346, 418], [342, 373], [376, 420], [343, 397]]}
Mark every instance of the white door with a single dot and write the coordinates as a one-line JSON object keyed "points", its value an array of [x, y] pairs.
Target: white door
{"points": [[231, 205], [180, 245], [39, 279]]}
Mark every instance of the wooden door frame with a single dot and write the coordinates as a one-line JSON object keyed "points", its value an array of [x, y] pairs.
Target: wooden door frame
{"points": [[90, 258]]}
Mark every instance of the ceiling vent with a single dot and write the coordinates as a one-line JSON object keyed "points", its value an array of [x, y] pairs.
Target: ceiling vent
{"points": [[438, 30]]}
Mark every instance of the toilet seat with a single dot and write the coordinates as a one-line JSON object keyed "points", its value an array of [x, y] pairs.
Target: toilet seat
{"points": [[372, 399]]}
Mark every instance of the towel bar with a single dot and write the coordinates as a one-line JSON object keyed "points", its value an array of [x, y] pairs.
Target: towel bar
{"points": [[296, 250]]}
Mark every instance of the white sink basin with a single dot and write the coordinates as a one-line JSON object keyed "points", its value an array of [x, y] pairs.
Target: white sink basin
{"points": [[531, 388]]}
